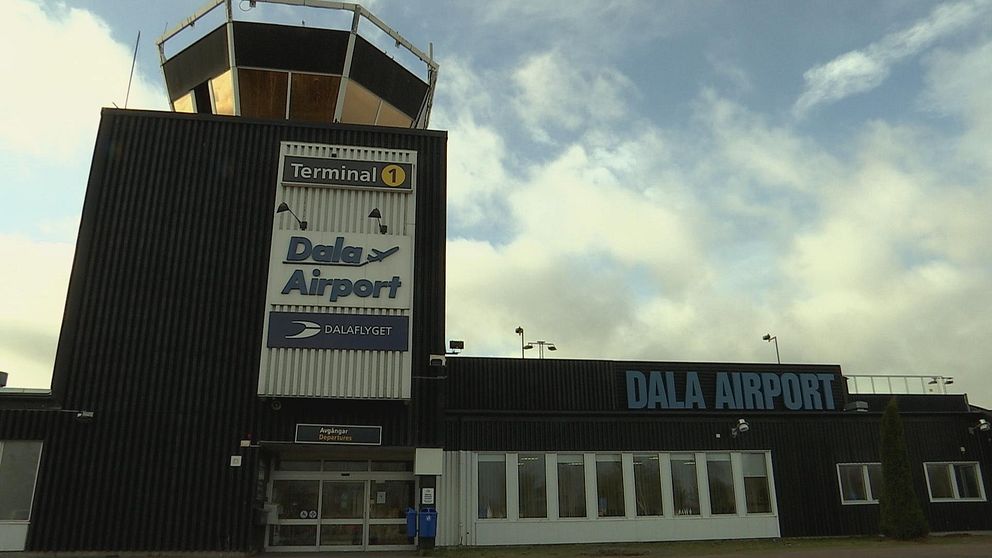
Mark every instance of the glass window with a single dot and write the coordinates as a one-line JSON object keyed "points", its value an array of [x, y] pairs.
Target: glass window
{"points": [[184, 103], [312, 98], [18, 471], [345, 466], [609, 486], [966, 480], [292, 535], [939, 479], [874, 480], [263, 93], [531, 482], [685, 488], [222, 93], [954, 481], [394, 534], [341, 535], [390, 499], [860, 483], [297, 465], [647, 484], [720, 474], [296, 499], [391, 116], [342, 500], [492, 487], [392, 465], [360, 105], [756, 483], [571, 486]]}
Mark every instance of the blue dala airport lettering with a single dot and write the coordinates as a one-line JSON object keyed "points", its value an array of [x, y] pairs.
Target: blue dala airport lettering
{"points": [[301, 250], [734, 390]]}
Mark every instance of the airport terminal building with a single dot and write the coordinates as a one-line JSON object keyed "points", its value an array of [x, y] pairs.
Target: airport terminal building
{"points": [[252, 356]]}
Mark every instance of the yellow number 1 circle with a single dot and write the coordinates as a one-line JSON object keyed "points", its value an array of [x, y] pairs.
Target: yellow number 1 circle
{"points": [[393, 175]]}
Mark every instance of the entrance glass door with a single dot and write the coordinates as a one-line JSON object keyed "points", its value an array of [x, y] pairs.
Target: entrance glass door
{"points": [[342, 513], [340, 507], [388, 502]]}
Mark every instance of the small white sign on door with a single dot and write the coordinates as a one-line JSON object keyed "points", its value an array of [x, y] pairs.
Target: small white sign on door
{"points": [[427, 496], [380, 497]]}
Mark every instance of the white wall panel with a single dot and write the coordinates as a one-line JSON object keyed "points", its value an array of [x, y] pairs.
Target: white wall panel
{"points": [[340, 373]]}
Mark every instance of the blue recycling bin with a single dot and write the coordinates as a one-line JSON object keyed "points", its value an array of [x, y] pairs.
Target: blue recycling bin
{"points": [[428, 523], [411, 523]]}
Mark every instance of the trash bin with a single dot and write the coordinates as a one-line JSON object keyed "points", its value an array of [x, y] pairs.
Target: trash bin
{"points": [[428, 523], [411, 524]]}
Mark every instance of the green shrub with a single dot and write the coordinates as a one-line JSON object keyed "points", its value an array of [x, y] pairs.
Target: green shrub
{"points": [[900, 514]]}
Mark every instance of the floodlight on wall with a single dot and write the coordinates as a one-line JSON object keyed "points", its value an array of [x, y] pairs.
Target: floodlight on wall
{"points": [[454, 346], [983, 426], [741, 427], [375, 214], [283, 207]]}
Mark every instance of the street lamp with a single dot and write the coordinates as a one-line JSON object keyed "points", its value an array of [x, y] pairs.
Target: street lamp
{"points": [[540, 346], [769, 337], [520, 331]]}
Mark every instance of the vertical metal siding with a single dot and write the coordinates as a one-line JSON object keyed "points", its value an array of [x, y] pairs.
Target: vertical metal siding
{"points": [[162, 327]]}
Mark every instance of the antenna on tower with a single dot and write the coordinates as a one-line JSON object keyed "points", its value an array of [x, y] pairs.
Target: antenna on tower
{"points": [[131, 76]]}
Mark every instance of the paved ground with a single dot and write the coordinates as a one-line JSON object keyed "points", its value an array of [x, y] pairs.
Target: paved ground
{"points": [[962, 547]]}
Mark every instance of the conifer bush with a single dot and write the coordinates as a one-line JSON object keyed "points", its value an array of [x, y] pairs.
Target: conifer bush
{"points": [[900, 514]]}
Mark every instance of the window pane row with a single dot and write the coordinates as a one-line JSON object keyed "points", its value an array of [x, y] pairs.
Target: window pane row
{"points": [[954, 481], [605, 483], [294, 95]]}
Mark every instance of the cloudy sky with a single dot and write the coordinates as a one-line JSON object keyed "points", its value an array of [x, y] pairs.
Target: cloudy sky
{"points": [[630, 180]]}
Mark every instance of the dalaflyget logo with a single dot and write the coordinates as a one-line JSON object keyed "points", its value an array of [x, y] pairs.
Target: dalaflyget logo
{"points": [[309, 330]]}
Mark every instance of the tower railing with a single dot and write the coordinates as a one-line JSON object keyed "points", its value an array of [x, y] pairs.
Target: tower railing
{"points": [[870, 384]]}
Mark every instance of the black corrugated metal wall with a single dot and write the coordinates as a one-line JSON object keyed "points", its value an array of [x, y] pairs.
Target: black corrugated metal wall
{"points": [[556, 405], [162, 332]]}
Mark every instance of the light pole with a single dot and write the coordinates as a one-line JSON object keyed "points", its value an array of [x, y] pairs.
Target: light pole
{"points": [[520, 331], [769, 337], [540, 347]]}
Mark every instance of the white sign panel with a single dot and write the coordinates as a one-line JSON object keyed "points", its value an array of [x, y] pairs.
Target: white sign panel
{"points": [[340, 269]]}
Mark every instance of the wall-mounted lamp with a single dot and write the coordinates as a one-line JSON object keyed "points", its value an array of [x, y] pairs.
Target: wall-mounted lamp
{"points": [[84, 416], [982, 426], [285, 207], [375, 214], [769, 337], [740, 428], [455, 346]]}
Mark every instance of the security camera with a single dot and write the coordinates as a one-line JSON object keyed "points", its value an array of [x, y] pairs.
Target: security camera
{"points": [[84, 415], [984, 425], [437, 360]]}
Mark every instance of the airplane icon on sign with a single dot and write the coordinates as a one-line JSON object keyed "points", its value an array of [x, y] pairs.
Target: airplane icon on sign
{"points": [[378, 255]]}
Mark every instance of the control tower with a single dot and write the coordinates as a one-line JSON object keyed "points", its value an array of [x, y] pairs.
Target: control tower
{"points": [[302, 72]]}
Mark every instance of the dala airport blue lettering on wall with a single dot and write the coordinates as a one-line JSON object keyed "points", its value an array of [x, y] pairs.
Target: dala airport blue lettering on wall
{"points": [[732, 391]]}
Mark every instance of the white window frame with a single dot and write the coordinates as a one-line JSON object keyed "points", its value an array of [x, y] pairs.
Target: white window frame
{"points": [[872, 498], [949, 465], [34, 487]]}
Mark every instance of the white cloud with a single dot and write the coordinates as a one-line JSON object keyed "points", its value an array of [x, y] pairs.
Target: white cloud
{"points": [[61, 66], [652, 243], [34, 278], [858, 71], [555, 92]]}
